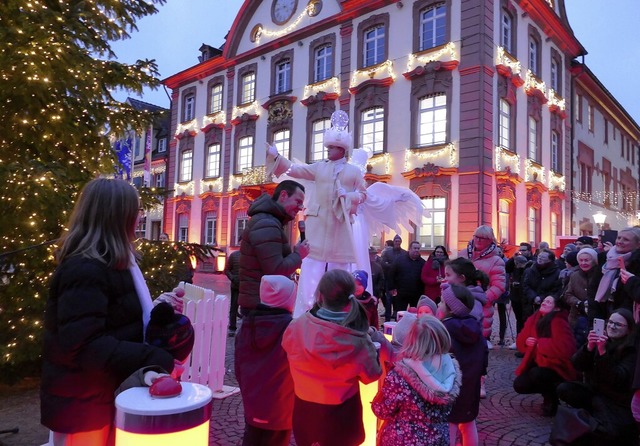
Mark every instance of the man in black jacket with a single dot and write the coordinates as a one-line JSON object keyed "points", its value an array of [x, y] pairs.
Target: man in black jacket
{"points": [[405, 284], [265, 248]]}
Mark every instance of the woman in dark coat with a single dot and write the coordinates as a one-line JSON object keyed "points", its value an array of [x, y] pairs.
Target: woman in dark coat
{"points": [[432, 274], [95, 317], [608, 363]]}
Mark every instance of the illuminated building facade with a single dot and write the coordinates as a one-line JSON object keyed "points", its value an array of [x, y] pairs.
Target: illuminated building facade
{"points": [[468, 103]]}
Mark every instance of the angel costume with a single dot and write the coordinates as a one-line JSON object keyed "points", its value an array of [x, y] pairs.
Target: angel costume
{"points": [[338, 210]]}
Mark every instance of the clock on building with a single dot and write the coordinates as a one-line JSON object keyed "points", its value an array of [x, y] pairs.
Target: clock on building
{"points": [[282, 10]]}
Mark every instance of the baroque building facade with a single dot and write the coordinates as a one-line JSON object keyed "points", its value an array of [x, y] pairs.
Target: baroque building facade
{"points": [[468, 103]]}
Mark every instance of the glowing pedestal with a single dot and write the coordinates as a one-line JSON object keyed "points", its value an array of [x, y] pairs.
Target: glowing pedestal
{"points": [[184, 419]]}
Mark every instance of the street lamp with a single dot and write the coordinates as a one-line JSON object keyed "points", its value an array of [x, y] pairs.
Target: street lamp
{"points": [[599, 218]]}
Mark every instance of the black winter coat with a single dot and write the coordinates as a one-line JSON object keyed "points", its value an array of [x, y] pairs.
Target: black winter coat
{"points": [[541, 282], [93, 340], [264, 249]]}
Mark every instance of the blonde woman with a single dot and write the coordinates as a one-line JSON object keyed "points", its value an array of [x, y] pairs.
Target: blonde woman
{"points": [[95, 318]]}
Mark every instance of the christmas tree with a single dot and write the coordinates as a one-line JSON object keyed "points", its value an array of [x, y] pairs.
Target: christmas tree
{"points": [[57, 75]]}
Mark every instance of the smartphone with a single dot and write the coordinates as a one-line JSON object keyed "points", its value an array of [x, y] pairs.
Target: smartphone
{"points": [[598, 326], [609, 235]]}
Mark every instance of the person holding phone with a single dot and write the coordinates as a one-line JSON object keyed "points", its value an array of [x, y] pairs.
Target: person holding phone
{"points": [[610, 294], [608, 362]]}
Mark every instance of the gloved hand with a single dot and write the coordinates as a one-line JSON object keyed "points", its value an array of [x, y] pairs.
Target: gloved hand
{"points": [[271, 150]]}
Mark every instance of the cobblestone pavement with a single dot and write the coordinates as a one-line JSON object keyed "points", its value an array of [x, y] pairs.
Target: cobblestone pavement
{"points": [[506, 418]]}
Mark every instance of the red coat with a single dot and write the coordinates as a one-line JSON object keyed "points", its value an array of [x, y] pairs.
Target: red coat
{"points": [[429, 277], [554, 352]]}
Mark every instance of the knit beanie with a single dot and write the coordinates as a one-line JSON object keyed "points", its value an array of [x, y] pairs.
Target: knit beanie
{"points": [[572, 258], [361, 277], [170, 331], [520, 260], [401, 330], [278, 292], [425, 301], [591, 252], [455, 297]]}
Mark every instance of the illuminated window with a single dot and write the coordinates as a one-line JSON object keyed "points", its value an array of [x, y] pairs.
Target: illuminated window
{"points": [[433, 120], [282, 141], [504, 220], [432, 229], [374, 46], [186, 165], [555, 221], [216, 99], [433, 27], [245, 153], [323, 67], [248, 88], [241, 224], [317, 139], [532, 225], [213, 161], [372, 129], [162, 145]]}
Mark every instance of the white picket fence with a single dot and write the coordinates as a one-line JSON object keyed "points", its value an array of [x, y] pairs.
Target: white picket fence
{"points": [[209, 315]]}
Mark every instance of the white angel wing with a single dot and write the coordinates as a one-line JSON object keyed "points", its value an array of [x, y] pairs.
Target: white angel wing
{"points": [[393, 207]]}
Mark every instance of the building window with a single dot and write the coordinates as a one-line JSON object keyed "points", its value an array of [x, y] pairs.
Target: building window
{"points": [[555, 151], [283, 77], [210, 220], [159, 180], [533, 55], [432, 230], [141, 230], [585, 178], [183, 228], [282, 141], [248, 88], [215, 105], [162, 145], [590, 117], [506, 32], [532, 225], [189, 107], [555, 221], [554, 75], [532, 153], [578, 109], [323, 63], [213, 161], [504, 128], [245, 153], [372, 129], [374, 42], [186, 165], [504, 220], [241, 223], [433, 27], [433, 120], [317, 139]]}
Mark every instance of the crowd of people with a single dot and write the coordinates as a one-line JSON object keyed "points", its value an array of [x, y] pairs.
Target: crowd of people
{"points": [[301, 353]]}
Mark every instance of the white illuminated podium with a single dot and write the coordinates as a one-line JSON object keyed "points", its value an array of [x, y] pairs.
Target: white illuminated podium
{"points": [[184, 419]]}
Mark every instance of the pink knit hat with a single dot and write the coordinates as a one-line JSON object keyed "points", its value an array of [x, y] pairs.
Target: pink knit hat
{"points": [[278, 292]]}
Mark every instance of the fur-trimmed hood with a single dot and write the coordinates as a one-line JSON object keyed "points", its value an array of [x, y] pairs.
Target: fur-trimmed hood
{"points": [[438, 391]]}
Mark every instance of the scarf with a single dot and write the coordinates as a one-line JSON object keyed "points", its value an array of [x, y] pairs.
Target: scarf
{"points": [[484, 253], [610, 275], [142, 291]]}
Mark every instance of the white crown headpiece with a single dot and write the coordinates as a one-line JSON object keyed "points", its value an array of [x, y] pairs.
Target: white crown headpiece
{"points": [[337, 134]]}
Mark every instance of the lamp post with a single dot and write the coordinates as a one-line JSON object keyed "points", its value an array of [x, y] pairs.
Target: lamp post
{"points": [[599, 218]]}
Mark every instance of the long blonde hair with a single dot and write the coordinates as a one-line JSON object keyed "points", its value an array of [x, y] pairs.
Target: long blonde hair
{"points": [[427, 337], [102, 224], [335, 292]]}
